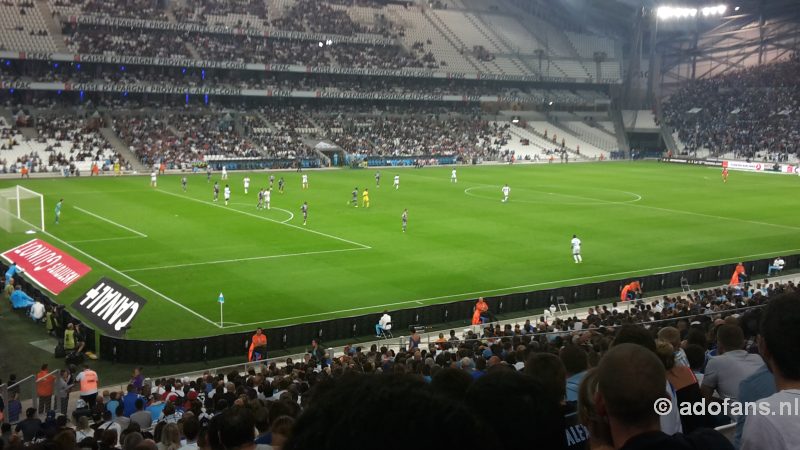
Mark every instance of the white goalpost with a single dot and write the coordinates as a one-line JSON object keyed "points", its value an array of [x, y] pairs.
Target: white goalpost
{"points": [[22, 204]]}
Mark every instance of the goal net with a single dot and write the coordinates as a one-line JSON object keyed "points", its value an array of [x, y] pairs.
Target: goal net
{"points": [[21, 209]]}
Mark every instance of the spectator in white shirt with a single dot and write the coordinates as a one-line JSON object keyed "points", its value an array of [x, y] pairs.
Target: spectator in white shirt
{"points": [[383, 324], [776, 266], [778, 342], [732, 365]]}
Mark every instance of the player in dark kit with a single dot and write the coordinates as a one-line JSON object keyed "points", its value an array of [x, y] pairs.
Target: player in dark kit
{"points": [[183, 183], [280, 185], [208, 174], [216, 191], [304, 209], [354, 200], [271, 181]]}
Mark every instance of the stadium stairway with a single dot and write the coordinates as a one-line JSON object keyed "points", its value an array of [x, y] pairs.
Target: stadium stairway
{"points": [[30, 133], [619, 131], [439, 27], [192, 50], [53, 28], [122, 149]]}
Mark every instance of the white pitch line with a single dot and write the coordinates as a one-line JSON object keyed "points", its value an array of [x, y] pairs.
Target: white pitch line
{"points": [[291, 214], [265, 218], [106, 239], [544, 283], [657, 208], [110, 221], [126, 276], [636, 196], [680, 211], [254, 258]]}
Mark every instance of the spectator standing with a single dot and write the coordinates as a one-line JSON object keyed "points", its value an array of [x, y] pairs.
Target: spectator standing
{"points": [[129, 401], [88, 381], [778, 342], [137, 380], [44, 389], [63, 386], [69, 338]]}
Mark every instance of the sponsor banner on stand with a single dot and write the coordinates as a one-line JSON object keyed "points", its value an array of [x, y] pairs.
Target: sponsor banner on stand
{"points": [[121, 22], [109, 306], [291, 68], [763, 167], [697, 162], [47, 266]]}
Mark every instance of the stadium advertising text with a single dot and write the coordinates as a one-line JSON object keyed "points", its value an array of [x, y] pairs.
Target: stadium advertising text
{"points": [[206, 29], [109, 306], [766, 167], [147, 88], [47, 266], [291, 68]]}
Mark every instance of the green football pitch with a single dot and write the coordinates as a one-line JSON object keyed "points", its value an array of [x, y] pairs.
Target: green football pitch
{"points": [[179, 249]]}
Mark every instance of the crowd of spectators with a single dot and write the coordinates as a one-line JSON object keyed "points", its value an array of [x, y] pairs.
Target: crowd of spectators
{"points": [[409, 135], [178, 144], [592, 386], [124, 41], [752, 113], [302, 15], [242, 48], [63, 140]]}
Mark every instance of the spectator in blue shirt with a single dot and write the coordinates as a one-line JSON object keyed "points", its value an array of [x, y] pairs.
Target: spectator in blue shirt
{"points": [[129, 401], [20, 300]]}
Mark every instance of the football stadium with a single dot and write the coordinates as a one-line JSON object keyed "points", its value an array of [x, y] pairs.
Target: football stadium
{"points": [[297, 223]]}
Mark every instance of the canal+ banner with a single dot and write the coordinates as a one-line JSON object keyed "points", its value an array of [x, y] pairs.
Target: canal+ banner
{"points": [[47, 266], [109, 306]]}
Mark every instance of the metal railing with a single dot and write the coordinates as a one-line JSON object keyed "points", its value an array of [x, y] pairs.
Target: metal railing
{"points": [[25, 389]]}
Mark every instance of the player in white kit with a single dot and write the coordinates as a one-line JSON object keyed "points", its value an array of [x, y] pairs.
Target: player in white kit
{"points": [[246, 184], [453, 177], [267, 197], [224, 173], [227, 194], [397, 181], [575, 243], [305, 181], [153, 179], [506, 192]]}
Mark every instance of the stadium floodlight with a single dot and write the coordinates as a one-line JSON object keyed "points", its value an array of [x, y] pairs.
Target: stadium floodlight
{"points": [[714, 10], [678, 12]]}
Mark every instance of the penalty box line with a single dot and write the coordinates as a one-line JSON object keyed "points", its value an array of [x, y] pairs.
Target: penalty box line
{"points": [[512, 288], [129, 278], [203, 202], [140, 234]]}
